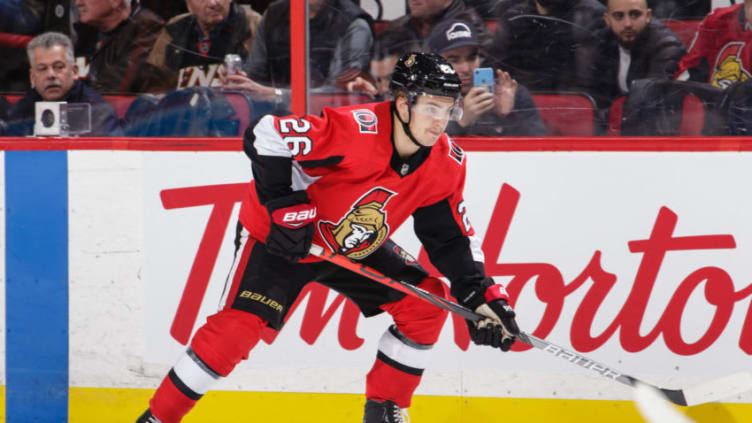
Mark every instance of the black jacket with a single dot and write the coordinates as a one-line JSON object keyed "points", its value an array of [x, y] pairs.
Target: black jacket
{"points": [[104, 121], [656, 54], [116, 58], [540, 51]]}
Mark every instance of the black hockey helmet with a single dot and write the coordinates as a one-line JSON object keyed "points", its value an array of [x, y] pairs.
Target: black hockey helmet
{"points": [[425, 73]]}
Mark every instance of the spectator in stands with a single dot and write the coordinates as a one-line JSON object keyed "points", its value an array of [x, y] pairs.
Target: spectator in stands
{"points": [[424, 15], [390, 45], [22, 17], [632, 46], [536, 40], [720, 54], [192, 46], [341, 37], [20, 20], [114, 38], [507, 111], [53, 78]]}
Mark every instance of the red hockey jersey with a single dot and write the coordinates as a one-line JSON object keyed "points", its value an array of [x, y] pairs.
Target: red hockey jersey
{"points": [[720, 53], [363, 191]]}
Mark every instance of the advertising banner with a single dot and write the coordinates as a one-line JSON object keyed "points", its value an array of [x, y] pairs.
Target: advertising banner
{"points": [[638, 260]]}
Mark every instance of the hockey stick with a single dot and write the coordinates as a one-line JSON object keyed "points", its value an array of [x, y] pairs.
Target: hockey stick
{"points": [[714, 390]]}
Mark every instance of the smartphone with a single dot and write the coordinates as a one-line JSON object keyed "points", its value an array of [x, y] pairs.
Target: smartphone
{"points": [[484, 77]]}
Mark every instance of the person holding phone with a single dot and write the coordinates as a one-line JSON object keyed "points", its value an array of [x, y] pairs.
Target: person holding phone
{"points": [[493, 103]]}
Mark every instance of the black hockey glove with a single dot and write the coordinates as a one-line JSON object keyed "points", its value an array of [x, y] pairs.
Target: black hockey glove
{"points": [[499, 328], [291, 228]]}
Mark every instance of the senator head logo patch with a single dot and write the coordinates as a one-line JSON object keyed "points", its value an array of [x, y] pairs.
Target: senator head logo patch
{"points": [[729, 68], [362, 230], [367, 121]]}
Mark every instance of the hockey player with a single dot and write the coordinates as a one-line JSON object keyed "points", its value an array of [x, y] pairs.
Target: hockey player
{"points": [[347, 180]]}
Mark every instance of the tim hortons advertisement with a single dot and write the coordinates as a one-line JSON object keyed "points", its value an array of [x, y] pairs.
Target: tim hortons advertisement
{"points": [[636, 260]]}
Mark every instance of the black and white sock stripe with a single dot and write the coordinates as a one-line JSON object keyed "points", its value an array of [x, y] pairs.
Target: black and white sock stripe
{"points": [[192, 376], [402, 353]]}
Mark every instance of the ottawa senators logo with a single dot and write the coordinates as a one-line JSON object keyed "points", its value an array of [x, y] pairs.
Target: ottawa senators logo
{"points": [[729, 68], [363, 229], [367, 121]]}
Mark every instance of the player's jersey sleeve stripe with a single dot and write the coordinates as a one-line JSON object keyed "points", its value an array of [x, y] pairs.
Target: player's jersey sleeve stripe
{"points": [[268, 142], [329, 161], [300, 179]]}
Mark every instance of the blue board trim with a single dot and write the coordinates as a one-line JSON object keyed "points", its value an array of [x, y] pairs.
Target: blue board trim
{"points": [[36, 291]]}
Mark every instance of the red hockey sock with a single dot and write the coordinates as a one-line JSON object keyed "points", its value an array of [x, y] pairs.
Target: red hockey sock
{"points": [[225, 340], [169, 404], [404, 350], [385, 382]]}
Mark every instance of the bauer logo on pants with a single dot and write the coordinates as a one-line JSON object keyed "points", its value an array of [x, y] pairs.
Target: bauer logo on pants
{"points": [[263, 299]]}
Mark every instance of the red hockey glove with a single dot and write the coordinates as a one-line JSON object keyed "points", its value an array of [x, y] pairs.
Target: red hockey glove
{"points": [[291, 228], [499, 328]]}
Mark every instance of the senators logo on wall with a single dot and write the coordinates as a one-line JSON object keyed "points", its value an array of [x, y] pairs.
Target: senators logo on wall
{"points": [[362, 229], [729, 67]]}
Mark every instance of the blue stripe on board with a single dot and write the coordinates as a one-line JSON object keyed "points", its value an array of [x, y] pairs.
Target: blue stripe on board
{"points": [[36, 292]]}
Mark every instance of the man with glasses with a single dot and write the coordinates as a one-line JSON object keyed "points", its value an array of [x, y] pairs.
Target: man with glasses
{"points": [[632, 46], [347, 181]]}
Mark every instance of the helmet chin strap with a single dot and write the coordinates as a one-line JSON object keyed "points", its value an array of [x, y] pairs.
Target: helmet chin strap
{"points": [[406, 125]]}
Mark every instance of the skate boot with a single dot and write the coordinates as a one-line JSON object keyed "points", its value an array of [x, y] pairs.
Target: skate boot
{"points": [[384, 412], [147, 417]]}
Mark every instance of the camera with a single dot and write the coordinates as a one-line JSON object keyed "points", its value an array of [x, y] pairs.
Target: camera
{"points": [[61, 119]]}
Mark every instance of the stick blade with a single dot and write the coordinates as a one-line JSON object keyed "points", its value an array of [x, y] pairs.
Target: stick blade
{"points": [[652, 405], [718, 389]]}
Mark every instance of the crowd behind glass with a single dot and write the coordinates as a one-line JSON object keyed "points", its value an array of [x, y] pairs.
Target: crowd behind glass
{"points": [[632, 67]]}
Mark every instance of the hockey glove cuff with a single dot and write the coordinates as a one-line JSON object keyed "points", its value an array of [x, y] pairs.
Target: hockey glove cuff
{"points": [[291, 228], [499, 328]]}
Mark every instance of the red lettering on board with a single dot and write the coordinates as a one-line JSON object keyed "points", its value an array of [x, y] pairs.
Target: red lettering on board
{"points": [[550, 287]]}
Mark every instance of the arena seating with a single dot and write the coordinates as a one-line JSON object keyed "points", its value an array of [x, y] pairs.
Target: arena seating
{"points": [[566, 113], [691, 122], [14, 40], [693, 116], [614, 117]]}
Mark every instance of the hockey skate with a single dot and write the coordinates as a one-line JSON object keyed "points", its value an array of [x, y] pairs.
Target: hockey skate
{"points": [[384, 412], [147, 417]]}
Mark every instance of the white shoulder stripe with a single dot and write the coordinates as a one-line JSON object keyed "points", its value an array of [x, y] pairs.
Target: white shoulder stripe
{"points": [[268, 141]]}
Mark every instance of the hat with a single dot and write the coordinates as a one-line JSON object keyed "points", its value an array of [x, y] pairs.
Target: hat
{"points": [[451, 34]]}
